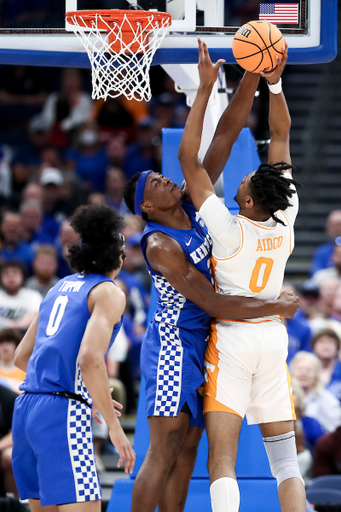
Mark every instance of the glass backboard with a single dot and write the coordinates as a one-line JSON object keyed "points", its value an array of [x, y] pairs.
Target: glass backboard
{"points": [[35, 32]]}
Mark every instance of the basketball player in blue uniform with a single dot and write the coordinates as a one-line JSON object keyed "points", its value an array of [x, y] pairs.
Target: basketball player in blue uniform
{"points": [[63, 353], [177, 249]]}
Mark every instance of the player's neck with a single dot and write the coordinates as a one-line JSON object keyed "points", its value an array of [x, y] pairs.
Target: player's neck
{"points": [[176, 218], [249, 213]]}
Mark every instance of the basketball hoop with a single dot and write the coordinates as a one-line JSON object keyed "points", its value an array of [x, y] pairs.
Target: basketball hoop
{"points": [[120, 46]]}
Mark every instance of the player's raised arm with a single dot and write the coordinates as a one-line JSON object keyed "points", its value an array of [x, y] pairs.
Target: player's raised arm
{"points": [[198, 182], [279, 117], [230, 125]]}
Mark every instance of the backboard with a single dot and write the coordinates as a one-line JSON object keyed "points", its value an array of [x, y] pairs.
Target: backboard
{"points": [[37, 35]]}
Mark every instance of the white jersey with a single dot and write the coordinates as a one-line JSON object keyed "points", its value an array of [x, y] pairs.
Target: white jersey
{"points": [[248, 257]]}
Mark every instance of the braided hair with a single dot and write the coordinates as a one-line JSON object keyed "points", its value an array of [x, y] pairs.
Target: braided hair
{"points": [[270, 190], [102, 244]]}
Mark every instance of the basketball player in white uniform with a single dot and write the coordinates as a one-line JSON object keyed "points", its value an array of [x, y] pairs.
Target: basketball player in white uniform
{"points": [[245, 361]]}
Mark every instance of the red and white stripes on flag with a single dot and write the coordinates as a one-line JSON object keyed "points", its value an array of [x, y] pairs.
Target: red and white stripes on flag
{"points": [[279, 13]]}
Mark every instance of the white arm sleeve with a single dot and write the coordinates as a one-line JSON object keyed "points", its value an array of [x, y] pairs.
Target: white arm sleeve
{"points": [[222, 226]]}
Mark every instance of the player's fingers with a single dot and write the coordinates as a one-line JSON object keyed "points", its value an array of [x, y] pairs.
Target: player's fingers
{"points": [[201, 49], [121, 459], [118, 414], [117, 404], [218, 64], [96, 418]]}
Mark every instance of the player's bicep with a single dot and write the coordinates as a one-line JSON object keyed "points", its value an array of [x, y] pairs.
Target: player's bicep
{"points": [[279, 151], [167, 257]]}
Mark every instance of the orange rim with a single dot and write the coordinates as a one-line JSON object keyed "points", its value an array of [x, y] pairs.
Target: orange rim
{"points": [[113, 16]]}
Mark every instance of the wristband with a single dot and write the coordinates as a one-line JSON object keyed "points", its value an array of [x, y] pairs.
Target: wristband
{"points": [[276, 88]]}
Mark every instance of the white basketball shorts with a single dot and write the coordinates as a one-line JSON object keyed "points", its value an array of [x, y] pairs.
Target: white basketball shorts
{"points": [[246, 371]]}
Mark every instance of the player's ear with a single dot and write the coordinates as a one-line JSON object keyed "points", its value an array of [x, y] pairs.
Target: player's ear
{"points": [[146, 207], [249, 202]]}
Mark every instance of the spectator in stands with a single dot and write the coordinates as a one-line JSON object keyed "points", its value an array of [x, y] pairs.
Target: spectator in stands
{"points": [[45, 266], [132, 224], [330, 272], [13, 246], [113, 117], [66, 110], [117, 151], [326, 345], [336, 308], [133, 264], [327, 456], [89, 159], [27, 157], [5, 175], [319, 403], [327, 290], [304, 455], [96, 198], [51, 180], [9, 340], [7, 482], [67, 237], [299, 332], [323, 255], [311, 427], [115, 182], [18, 305], [34, 192], [32, 231], [141, 153]]}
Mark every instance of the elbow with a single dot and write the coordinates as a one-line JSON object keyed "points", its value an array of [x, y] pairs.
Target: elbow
{"points": [[87, 360]]}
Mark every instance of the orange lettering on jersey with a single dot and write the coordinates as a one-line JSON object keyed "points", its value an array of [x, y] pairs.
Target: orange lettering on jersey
{"points": [[269, 244]]}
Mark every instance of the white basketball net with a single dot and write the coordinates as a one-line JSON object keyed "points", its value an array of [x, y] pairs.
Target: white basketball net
{"points": [[126, 71]]}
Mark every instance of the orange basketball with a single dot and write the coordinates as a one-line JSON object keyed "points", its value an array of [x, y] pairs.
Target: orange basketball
{"points": [[256, 45]]}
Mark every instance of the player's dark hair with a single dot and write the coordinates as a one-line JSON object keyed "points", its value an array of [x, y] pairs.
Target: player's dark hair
{"points": [[270, 190], [102, 244], [129, 194]]}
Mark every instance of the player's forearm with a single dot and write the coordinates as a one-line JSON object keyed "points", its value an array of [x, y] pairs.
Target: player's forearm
{"points": [[230, 125], [242, 308], [279, 117], [95, 378], [25, 348], [191, 139]]}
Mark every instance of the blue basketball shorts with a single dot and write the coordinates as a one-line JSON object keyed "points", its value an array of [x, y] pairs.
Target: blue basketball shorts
{"points": [[173, 371], [53, 451]]}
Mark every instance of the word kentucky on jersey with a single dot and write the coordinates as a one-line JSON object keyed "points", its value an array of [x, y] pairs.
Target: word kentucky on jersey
{"points": [[202, 251]]}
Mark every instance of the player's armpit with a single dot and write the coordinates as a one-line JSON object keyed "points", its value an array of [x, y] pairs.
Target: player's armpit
{"points": [[166, 256]]}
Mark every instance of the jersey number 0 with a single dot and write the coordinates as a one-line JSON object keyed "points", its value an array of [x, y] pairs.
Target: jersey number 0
{"points": [[56, 315], [260, 274]]}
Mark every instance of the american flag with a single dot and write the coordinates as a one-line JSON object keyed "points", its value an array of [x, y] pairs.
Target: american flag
{"points": [[279, 13]]}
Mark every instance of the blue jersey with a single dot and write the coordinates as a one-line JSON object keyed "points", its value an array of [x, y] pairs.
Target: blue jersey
{"points": [[63, 317], [172, 307]]}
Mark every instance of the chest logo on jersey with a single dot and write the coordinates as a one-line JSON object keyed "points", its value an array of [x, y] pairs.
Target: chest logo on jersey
{"points": [[269, 244], [202, 251], [71, 286]]}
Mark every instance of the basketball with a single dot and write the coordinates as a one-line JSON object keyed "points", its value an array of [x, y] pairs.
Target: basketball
{"points": [[256, 45]]}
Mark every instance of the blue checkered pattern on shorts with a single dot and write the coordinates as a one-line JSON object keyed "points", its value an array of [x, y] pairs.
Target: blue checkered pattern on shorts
{"points": [[80, 388], [168, 387], [171, 301], [82, 453]]}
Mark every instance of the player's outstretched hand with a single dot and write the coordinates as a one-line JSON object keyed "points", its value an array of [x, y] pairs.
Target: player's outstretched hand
{"points": [[124, 448], [208, 72], [290, 304], [275, 74]]}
